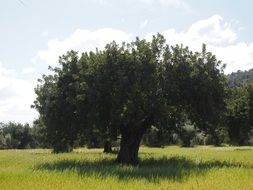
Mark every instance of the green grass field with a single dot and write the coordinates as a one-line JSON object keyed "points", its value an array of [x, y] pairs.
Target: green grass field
{"points": [[161, 168]]}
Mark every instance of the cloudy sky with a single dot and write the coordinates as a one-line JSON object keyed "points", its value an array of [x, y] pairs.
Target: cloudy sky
{"points": [[34, 33]]}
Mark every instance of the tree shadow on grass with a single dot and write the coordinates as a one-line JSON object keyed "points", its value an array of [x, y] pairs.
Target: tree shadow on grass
{"points": [[152, 169]]}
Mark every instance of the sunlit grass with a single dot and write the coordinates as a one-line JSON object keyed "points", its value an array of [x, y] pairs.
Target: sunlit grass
{"points": [[161, 168]]}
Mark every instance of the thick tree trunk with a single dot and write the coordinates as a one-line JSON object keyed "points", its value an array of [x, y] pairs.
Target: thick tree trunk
{"points": [[130, 140], [129, 147]]}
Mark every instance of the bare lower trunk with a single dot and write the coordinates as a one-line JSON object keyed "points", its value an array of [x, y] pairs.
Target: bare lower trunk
{"points": [[130, 140], [129, 147]]}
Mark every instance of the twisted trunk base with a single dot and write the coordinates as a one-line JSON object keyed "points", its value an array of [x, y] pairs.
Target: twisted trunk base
{"points": [[129, 147]]}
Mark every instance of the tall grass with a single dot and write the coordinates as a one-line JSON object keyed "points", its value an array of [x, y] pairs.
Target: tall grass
{"points": [[167, 168]]}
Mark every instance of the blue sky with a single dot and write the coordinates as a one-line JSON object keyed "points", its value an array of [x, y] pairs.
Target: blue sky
{"points": [[34, 33]]}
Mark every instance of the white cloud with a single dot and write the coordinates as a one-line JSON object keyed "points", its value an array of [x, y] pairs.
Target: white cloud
{"points": [[221, 39], [210, 31], [28, 70], [4, 71], [238, 56], [16, 96], [81, 40]]}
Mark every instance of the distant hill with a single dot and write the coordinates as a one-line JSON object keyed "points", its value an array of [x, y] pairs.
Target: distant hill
{"points": [[240, 77]]}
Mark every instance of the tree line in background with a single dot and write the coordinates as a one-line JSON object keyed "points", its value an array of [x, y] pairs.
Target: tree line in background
{"points": [[139, 92], [18, 136], [238, 78]]}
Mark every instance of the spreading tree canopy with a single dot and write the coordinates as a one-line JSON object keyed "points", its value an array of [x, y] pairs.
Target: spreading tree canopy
{"points": [[125, 89]]}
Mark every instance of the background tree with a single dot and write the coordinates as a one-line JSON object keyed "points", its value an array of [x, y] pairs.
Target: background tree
{"points": [[16, 135], [39, 134], [239, 113], [240, 77]]}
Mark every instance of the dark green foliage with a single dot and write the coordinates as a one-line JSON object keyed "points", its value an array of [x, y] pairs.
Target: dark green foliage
{"points": [[155, 137], [187, 134], [240, 114], [39, 133], [56, 103]]}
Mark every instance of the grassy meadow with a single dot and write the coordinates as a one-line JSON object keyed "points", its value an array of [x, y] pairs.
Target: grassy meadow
{"points": [[161, 168]]}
